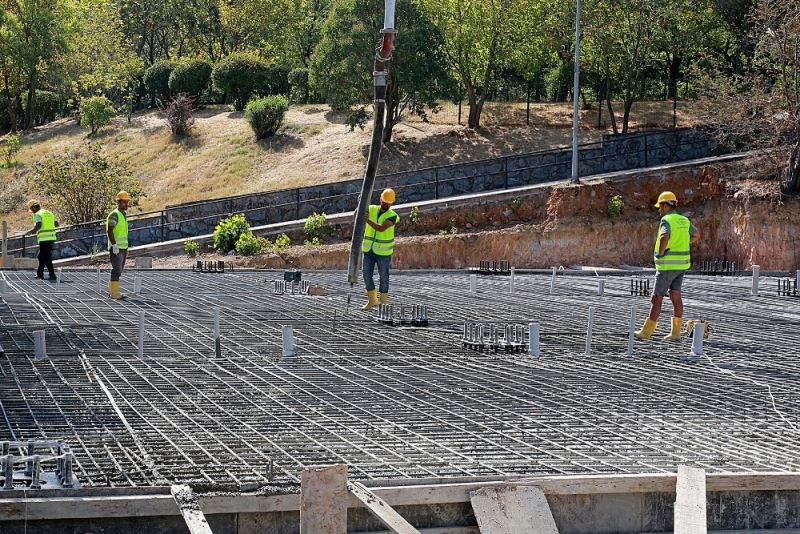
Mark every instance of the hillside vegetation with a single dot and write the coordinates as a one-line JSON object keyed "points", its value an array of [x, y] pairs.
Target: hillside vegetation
{"points": [[221, 156]]}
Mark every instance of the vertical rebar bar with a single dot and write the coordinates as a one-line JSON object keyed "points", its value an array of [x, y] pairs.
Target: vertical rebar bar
{"points": [[631, 329], [141, 334], [288, 341], [512, 280], [601, 286], [137, 284], [58, 279], [589, 327], [533, 339], [553, 281], [697, 339], [756, 273], [39, 345], [99, 282]]}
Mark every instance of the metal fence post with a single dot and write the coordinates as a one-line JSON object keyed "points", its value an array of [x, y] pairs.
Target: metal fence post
{"points": [[505, 173], [646, 164], [163, 223], [297, 204], [436, 179]]}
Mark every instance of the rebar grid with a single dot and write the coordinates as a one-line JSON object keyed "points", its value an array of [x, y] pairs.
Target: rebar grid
{"points": [[393, 401]]}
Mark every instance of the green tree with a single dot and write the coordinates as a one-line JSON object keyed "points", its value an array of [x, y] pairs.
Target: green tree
{"points": [[341, 66], [190, 77], [82, 183], [478, 35], [37, 33], [239, 76], [156, 81], [96, 112]]}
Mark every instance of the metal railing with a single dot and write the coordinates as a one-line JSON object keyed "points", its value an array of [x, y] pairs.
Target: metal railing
{"points": [[175, 222]]}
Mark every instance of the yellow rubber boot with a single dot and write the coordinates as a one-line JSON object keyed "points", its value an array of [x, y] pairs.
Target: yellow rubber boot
{"points": [[113, 290], [647, 330], [384, 298], [675, 333], [372, 301]]}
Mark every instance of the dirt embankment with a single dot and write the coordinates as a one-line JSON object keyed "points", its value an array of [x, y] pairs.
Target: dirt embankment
{"points": [[740, 218]]}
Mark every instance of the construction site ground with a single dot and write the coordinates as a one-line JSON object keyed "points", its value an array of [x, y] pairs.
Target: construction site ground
{"points": [[396, 401]]}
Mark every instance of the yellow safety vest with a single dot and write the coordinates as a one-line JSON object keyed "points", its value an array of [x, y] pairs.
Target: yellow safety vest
{"points": [[120, 230], [381, 243], [677, 256], [47, 231]]}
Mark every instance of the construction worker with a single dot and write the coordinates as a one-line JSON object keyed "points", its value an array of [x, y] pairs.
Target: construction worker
{"points": [[117, 232], [44, 226], [378, 246], [672, 259]]}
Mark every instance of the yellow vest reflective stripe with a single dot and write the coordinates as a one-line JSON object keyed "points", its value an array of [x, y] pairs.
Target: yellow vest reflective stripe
{"points": [[47, 231], [381, 243], [677, 257], [120, 230]]}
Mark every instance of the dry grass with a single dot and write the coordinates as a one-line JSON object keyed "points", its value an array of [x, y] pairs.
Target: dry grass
{"points": [[222, 158]]}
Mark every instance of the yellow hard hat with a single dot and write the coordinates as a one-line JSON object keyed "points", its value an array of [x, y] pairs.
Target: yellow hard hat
{"points": [[388, 196], [123, 195], [666, 196], [33, 202]]}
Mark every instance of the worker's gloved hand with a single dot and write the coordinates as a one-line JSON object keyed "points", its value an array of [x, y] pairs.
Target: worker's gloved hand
{"points": [[115, 249]]}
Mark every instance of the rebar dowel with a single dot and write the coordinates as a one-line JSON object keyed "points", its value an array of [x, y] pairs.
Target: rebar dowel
{"points": [[589, 326], [512, 280], [29, 461], [3, 287], [215, 331], [141, 334], [473, 283], [553, 281], [797, 282], [601, 286], [137, 284], [631, 328], [697, 339], [58, 279], [288, 341], [67, 482], [39, 345], [99, 283], [8, 471], [756, 272], [35, 473], [533, 339]]}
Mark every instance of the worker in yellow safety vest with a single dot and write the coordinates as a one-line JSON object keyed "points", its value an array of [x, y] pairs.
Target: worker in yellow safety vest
{"points": [[378, 246], [672, 258], [117, 232], [44, 227]]}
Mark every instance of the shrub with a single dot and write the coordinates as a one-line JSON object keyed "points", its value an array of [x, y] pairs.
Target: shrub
{"points": [[298, 85], [156, 80], [313, 243], [414, 217], [83, 183], [314, 225], [450, 229], [191, 247], [96, 112], [250, 245], [516, 204], [266, 115], [10, 150], [278, 79], [190, 77], [357, 118], [240, 75], [615, 206], [179, 115], [228, 232], [281, 244]]}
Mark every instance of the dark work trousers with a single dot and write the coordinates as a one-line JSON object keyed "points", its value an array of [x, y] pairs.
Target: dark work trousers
{"points": [[46, 259], [117, 264], [384, 263]]}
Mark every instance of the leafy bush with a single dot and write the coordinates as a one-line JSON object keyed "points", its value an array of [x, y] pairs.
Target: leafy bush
{"points": [[179, 115], [298, 85], [228, 232], [450, 229], [265, 115], [191, 247], [615, 206], [313, 243], [357, 118], [83, 183], [558, 81], [96, 112], [190, 77], [240, 75], [414, 217], [156, 80], [9, 151], [251, 245], [516, 204], [314, 225], [281, 244], [278, 79]]}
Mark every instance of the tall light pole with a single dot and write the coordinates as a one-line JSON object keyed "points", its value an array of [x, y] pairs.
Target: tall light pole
{"points": [[576, 88]]}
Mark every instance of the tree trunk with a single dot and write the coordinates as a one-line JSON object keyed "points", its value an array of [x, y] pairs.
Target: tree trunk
{"points": [[392, 104], [791, 184], [627, 104], [611, 115], [28, 123], [674, 73], [475, 109]]}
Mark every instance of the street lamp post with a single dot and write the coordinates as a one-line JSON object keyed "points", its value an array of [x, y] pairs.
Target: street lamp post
{"points": [[576, 92]]}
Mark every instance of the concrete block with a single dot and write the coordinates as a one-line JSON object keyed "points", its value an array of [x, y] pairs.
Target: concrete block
{"points": [[316, 291], [26, 263], [143, 262]]}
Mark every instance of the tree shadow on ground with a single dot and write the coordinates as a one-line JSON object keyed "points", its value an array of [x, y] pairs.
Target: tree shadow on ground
{"points": [[280, 142]]}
